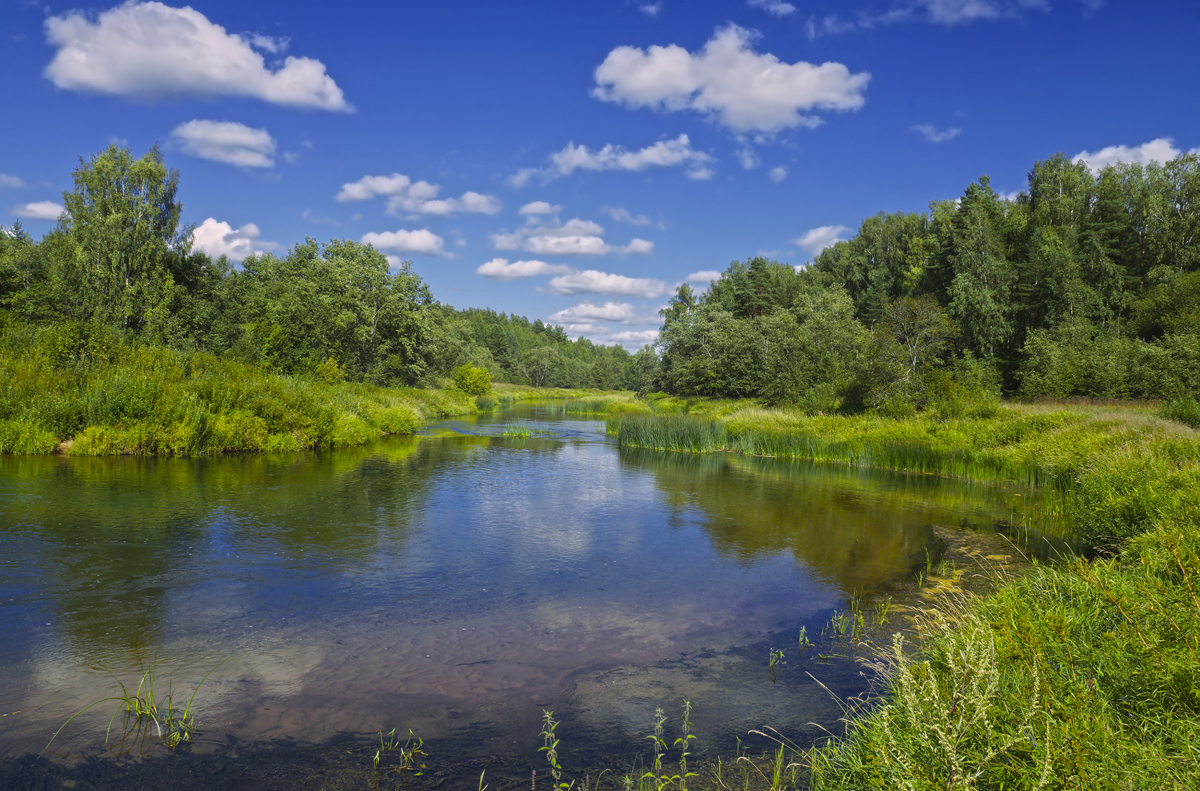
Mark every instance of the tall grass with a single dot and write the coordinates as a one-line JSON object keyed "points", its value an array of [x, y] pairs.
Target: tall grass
{"points": [[127, 399], [1077, 675]]}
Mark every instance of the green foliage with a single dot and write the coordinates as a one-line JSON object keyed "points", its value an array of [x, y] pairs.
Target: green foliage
{"points": [[123, 219], [472, 380], [1185, 410]]}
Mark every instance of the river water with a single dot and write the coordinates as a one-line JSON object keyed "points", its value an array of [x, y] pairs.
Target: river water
{"points": [[454, 584]]}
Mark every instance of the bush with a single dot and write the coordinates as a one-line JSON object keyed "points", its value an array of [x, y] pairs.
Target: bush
{"points": [[473, 380], [1184, 410]]}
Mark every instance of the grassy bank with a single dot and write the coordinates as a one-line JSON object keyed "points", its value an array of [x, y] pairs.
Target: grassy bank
{"points": [[98, 398], [1081, 675]]}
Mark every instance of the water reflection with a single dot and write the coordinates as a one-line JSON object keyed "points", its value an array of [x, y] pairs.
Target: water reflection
{"points": [[463, 577]]}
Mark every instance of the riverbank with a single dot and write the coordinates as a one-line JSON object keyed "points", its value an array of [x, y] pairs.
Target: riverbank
{"points": [[1077, 675], [154, 401]]}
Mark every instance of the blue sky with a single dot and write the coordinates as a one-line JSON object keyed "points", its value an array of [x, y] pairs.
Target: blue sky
{"points": [[576, 161]]}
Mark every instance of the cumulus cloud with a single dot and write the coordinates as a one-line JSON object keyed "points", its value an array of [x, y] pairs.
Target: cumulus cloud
{"points": [[574, 237], [728, 81], [220, 239], [1159, 150], [818, 239], [634, 337], [539, 207], [39, 210], [778, 173], [226, 141], [153, 51], [501, 269], [586, 311], [406, 196], [703, 277], [620, 214], [650, 9], [10, 182], [935, 135], [664, 153], [422, 241], [773, 7], [591, 281]]}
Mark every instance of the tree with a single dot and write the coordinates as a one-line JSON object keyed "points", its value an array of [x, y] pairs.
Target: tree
{"points": [[981, 291], [909, 343], [123, 217]]}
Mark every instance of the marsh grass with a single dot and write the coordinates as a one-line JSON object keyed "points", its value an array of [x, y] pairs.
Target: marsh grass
{"points": [[147, 715], [1077, 674]]}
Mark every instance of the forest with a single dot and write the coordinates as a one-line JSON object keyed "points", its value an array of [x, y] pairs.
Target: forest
{"points": [[119, 268], [1085, 284]]}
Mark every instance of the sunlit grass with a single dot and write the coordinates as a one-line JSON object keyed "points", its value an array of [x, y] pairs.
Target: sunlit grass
{"points": [[138, 400]]}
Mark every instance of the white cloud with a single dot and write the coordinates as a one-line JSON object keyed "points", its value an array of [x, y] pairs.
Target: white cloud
{"points": [[586, 311], [620, 214], [270, 44], [422, 241], [829, 26], [703, 277], [957, 12], [39, 210], [1159, 150], [369, 187], [747, 158], [935, 135], [574, 237], [634, 337], [773, 7], [818, 239], [220, 239], [153, 51], [10, 182], [226, 141], [777, 173], [650, 9], [591, 281], [501, 269], [664, 154], [406, 196], [539, 207], [729, 81]]}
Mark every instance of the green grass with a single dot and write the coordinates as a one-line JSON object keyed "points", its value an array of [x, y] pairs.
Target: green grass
{"points": [[1083, 674], [154, 401]]}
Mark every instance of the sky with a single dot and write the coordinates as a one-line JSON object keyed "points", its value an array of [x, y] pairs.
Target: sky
{"points": [[575, 162]]}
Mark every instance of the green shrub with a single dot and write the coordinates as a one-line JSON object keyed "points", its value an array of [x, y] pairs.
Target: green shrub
{"points": [[473, 380], [1185, 410]]}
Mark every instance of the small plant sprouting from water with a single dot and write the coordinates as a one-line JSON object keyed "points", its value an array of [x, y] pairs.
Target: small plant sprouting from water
{"points": [[881, 608], [803, 644], [683, 742], [774, 660], [660, 748], [146, 714], [550, 748], [409, 757]]}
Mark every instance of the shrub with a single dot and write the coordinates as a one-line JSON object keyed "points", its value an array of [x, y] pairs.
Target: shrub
{"points": [[473, 380]]}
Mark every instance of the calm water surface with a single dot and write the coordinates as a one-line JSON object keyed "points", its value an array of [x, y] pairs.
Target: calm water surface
{"points": [[454, 584]]}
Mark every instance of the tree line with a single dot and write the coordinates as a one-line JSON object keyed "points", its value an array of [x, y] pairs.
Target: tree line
{"points": [[119, 264], [1085, 284]]}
